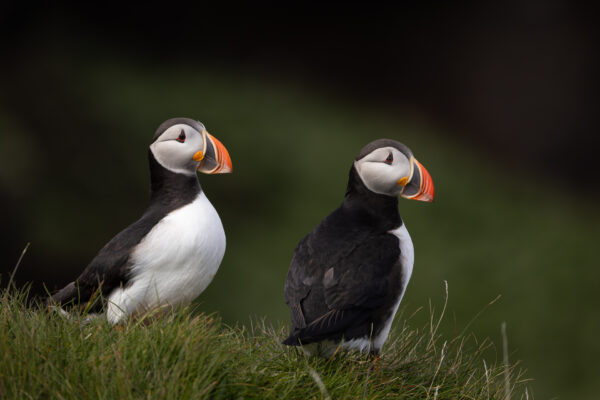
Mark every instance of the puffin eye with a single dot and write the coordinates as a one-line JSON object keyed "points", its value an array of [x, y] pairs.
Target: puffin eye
{"points": [[181, 137], [390, 159]]}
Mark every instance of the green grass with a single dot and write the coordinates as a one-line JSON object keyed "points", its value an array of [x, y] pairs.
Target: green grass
{"points": [[45, 355]]}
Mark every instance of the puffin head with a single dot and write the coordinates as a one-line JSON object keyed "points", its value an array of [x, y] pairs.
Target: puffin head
{"points": [[183, 146], [388, 167]]}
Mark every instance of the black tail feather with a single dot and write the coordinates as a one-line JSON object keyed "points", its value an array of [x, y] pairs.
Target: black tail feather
{"points": [[334, 325]]}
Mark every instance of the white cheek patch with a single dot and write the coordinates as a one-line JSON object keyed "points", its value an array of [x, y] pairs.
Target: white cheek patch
{"points": [[380, 177], [403, 165], [176, 156], [169, 155]]}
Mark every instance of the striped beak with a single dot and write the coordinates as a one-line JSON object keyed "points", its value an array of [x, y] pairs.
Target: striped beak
{"points": [[214, 159], [420, 185]]}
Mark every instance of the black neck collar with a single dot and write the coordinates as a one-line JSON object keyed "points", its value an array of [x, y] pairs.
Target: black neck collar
{"points": [[171, 189], [371, 208]]}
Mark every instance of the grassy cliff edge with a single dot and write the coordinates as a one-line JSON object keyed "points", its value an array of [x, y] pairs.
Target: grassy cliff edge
{"points": [[194, 355]]}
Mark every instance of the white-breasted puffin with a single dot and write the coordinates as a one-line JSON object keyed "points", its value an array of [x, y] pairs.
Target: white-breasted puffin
{"points": [[347, 277], [171, 254]]}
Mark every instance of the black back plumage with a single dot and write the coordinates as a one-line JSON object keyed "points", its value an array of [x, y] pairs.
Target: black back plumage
{"points": [[110, 268], [344, 276]]}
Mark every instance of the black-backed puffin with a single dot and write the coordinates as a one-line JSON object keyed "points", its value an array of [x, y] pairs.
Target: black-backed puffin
{"points": [[347, 277], [171, 254]]}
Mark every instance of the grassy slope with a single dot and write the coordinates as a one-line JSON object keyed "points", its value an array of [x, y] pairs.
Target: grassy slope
{"points": [[187, 355]]}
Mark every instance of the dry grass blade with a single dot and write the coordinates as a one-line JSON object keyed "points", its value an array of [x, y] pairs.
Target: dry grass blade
{"points": [[505, 359], [14, 271], [319, 383]]}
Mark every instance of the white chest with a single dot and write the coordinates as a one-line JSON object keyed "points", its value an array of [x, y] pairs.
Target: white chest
{"points": [[175, 262], [407, 255], [407, 259]]}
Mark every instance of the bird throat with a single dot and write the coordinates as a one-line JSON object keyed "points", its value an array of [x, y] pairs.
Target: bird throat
{"points": [[381, 210], [171, 189]]}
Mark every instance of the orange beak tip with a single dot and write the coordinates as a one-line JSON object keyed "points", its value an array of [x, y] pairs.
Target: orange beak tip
{"points": [[427, 191], [223, 160]]}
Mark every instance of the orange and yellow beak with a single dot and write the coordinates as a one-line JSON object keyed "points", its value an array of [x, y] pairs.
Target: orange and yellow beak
{"points": [[420, 185], [214, 158]]}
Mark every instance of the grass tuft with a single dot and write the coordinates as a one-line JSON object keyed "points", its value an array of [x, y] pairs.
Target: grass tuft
{"points": [[44, 354]]}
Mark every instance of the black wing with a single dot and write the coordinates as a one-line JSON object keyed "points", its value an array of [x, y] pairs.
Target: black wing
{"points": [[110, 268], [338, 280], [297, 286]]}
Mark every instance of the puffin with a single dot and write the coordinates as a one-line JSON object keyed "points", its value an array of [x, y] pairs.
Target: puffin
{"points": [[170, 255], [348, 275]]}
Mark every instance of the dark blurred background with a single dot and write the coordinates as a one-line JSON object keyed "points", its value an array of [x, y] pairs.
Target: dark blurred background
{"points": [[498, 101]]}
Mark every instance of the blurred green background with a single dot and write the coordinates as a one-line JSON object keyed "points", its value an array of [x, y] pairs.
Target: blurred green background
{"points": [[494, 101]]}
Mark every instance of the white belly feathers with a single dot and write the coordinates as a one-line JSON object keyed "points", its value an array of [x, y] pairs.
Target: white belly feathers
{"points": [[407, 259], [174, 263]]}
